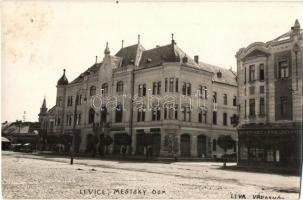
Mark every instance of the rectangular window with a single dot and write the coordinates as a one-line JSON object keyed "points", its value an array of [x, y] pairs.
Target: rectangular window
{"points": [[184, 88], [204, 117], [144, 90], [70, 101], [177, 84], [261, 89], [188, 89], [215, 97], [251, 90], [252, 73], [156, 114], [78, 119], [244, 75], [252, 106], [214, 117], [283, 69], [245, 114], [159, 88], [262, 106], [200, 116], [171, 85], [235, 101], [186, 113], [141, 115], [205, 94], [176, 111], [154, 88], [283, 109], [225, 119], [262, 72], [140, 90], [225, 99], [166, 84]]}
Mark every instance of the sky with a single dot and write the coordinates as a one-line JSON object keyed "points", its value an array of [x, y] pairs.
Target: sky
{"points": [[40, 38]]}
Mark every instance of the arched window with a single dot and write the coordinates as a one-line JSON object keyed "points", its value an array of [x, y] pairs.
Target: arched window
{"points": [[91, 116], [119, 113], [92, 90], [104, 88], [119, 86]]}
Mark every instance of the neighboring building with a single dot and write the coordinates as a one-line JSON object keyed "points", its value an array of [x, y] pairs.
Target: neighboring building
{"points": [[270, 98], [21, 132], [148, 75]]}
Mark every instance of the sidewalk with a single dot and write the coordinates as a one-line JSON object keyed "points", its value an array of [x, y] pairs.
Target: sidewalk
{"points": [[129, 157]]}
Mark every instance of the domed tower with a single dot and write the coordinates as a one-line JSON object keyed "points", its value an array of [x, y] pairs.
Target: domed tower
{"points": [[60, 105]]}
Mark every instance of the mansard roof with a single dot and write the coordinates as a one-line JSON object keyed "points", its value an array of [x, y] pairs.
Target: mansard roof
{"points": [[129, 54], [93, 69], [156, 56], [220, 74]]}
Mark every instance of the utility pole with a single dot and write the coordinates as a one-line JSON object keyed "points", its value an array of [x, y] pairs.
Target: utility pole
{"points": [[74, 131]]}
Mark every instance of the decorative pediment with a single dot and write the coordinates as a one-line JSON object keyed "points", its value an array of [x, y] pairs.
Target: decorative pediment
{"points": [[255, 53]]}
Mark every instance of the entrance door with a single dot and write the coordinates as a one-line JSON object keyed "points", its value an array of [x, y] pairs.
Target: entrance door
{"points": [[185, 145], [156, 143], [201, 146]]}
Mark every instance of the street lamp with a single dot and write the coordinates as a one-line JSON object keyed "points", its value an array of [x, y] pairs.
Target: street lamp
{"points": [[79, 92]]}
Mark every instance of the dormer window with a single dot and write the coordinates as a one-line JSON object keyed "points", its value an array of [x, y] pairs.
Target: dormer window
{"points": [[184, 59], [148, 60], [219, 74]]}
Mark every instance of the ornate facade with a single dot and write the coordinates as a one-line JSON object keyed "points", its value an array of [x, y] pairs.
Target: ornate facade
{"points": [[183, 105], [270, 99]]}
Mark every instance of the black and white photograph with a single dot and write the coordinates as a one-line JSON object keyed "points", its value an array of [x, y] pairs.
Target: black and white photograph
{"points": [[151, 100]]}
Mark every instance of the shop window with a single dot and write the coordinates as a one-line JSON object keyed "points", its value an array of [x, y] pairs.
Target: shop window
{"points": [[270, 155], [243, 152]]}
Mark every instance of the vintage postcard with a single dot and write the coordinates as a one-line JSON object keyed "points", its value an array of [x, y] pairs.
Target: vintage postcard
{"points": [[151, 100]]}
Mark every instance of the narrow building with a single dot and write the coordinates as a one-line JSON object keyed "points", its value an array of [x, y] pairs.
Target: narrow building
{"points": [[270, 97]]}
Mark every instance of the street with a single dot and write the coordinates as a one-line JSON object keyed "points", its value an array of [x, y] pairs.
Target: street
{"points": [[40, 177]]}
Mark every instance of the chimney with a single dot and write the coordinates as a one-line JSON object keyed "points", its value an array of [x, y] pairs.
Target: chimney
{"points": [[196, 58]]}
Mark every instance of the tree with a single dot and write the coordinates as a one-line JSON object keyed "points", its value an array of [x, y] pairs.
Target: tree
{"points": [[225, 142]]}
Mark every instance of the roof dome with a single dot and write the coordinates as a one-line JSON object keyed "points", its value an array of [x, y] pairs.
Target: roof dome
{"points": [[63, 80]]}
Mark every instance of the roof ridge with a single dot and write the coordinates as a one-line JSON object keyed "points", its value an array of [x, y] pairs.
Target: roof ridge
{"points": [[157, 47]]}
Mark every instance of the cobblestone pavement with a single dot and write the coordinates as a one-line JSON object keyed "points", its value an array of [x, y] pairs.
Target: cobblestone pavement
{"points": [[45, 177]]}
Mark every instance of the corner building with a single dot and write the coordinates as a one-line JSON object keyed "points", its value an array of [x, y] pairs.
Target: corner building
{"points": [[166, 81], [270, 98]]}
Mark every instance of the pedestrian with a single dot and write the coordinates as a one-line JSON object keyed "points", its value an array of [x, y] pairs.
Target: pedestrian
{"points": [[123, 151]]}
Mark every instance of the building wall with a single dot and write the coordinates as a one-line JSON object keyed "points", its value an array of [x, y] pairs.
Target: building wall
{"points": [[111, 73]]}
